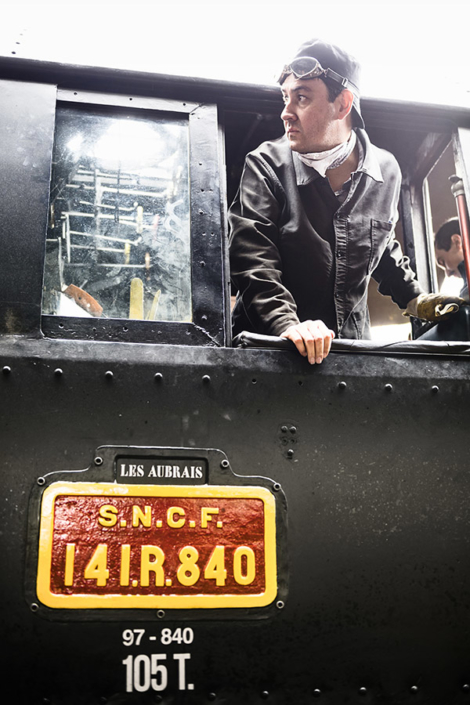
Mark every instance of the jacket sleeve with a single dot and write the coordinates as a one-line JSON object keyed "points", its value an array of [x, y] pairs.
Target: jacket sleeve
{"points": [[395, 276], [393, 272], [255, 259]]}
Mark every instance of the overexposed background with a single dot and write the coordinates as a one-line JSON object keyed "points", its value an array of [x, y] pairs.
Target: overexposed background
{"points": [[409, 51]]}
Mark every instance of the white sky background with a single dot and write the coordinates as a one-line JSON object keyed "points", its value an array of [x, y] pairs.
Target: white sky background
{"points": [[409, 51]]}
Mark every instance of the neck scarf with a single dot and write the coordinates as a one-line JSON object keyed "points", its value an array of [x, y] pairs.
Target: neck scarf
{"points": [[330, 158]]}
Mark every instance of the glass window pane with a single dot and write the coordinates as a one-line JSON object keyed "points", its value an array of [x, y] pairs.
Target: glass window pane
{"points": [[118, 243]]}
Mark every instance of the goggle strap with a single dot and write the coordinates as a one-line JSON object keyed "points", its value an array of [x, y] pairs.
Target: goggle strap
{"points": [[329, 73]]}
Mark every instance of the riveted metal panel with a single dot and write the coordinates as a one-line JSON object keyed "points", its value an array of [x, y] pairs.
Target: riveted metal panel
{"points": [[370, 454], [26, 133]]}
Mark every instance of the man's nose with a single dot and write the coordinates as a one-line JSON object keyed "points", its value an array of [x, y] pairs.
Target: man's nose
{"points": [[287, 114]]}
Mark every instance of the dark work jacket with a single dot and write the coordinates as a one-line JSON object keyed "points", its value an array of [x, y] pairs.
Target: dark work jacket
{"points": [[296, 253]]}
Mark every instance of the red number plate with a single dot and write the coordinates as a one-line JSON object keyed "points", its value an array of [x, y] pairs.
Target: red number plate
{"points": [[145, 546]]}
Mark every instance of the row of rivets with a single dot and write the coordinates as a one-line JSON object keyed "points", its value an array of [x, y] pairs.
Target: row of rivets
{"points": [[58, 372], [387, 387], [264, 694]]}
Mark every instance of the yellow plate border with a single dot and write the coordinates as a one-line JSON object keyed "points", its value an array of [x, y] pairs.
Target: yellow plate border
{"points": [[80, 601]]}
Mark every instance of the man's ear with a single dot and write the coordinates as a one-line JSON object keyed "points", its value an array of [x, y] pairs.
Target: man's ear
{"points": [[457, 240], [344, 103]]}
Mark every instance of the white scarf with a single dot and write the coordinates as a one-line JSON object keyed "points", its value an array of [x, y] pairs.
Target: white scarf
{"points": [[331, 158]]}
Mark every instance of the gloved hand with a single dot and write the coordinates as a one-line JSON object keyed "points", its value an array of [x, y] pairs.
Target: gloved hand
{"points": [[433, 307]]}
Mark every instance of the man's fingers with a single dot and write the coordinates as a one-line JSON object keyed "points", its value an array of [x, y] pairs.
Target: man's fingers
{"points": [[315, 351], [293, 334], [312, 339], [328, 340]]}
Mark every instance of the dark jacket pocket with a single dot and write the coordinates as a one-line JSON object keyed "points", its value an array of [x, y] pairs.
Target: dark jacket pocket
{"points": [[380, 232]]}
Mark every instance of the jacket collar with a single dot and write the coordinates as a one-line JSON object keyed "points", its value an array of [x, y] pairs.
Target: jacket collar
{"points": [[370, 164]]}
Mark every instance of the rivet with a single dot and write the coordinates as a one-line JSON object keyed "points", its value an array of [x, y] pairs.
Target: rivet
{"points": [[6, 370], [41, 481], [108, 374], [284, 429], [253, 381], [34, 607], [342, 385], [362, 691], [265, 695], [158, 698], [290, 453], [316, 693], [103, 699], [158, 377], [224, 463], [466, 688], [211, 696], [160, 614], [434, 389], [414, 688], [293, 429], [206, 379], [280, 604], [98, 460], [58, 372], [388, 387], [276, 487]]}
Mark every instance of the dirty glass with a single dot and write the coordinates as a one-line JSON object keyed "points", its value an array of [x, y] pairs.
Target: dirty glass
{"points": [[118, 242]]}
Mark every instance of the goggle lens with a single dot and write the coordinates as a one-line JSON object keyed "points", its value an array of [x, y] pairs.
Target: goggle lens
{"points": [[306, 66], [302, 67]]}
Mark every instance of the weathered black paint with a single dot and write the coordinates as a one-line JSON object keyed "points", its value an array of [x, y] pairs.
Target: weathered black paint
{"points": [[26, 135], [370, 450], [377, 496]]}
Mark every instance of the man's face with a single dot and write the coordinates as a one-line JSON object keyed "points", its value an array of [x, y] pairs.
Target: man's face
{"points": [[309, 117], [451, 258]]}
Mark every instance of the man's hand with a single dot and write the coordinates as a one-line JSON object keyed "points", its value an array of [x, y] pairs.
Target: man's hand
{"points": [[434, 307], [312, 339]]}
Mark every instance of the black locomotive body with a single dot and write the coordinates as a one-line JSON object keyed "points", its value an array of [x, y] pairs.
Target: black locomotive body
{"points": [[329, 558]]}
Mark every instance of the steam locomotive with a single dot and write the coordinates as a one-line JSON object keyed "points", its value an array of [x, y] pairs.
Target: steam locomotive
{"points": [[191, 519]]}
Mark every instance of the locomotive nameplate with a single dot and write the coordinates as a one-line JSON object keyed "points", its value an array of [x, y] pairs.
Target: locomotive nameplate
{"points": [[108, 545]]}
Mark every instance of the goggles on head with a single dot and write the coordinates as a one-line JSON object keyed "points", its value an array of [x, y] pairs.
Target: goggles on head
{"points": [[308, 67]]}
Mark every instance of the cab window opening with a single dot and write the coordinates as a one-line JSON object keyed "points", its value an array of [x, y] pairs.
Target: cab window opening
{"points": [[424, 190]]}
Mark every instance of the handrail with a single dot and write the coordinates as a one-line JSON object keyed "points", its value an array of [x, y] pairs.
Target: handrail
{"points": [[245, 339]]}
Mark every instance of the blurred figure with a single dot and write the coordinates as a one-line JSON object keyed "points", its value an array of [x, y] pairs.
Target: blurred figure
{"points": [[449, 251]]}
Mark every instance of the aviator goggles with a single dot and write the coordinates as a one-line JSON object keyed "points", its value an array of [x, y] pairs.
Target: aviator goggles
{"points": [[308, 67]]}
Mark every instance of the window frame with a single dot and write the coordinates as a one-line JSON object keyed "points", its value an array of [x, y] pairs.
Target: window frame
{"points": [[209, 324]]}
